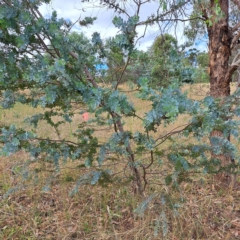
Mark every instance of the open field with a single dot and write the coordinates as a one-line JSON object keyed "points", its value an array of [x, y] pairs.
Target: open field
{"points": [[107, 212]]}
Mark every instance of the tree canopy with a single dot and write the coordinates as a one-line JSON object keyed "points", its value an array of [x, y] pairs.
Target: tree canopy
{"points": [[45, 65]]}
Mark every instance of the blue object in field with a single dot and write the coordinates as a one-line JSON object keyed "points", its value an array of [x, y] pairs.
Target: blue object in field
{"points": [[101, 67]]}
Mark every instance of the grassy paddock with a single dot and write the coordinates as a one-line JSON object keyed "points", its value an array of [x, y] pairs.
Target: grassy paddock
{"points": [[107, 212]]}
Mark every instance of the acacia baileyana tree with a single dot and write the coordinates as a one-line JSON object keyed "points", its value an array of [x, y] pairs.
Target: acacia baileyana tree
{"points": [[43, 65]]}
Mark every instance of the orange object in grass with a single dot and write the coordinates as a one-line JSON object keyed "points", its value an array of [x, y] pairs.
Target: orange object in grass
{"points": [[85, 116]]}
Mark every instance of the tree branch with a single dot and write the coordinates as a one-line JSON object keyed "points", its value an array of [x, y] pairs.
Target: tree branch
{"points": [[122, 72], [235, 62], [235, 28], [172, 132], [237, 3], [112, 5], [60, 141], [162, 16], [235, 39]]}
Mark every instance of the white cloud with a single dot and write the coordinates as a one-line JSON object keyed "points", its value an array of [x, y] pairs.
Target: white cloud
{"points": [[75, 9]]}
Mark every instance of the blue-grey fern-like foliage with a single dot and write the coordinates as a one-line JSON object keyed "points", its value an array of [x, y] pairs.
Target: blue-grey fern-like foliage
{"points": [[60, 77], [44, 65]]}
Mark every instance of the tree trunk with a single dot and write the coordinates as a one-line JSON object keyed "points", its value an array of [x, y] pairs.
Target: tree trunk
{"points": [[137, 182], [219, 53]]}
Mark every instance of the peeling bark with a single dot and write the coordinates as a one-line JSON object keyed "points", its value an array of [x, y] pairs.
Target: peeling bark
{"points": [[221, 73], [219, 52]]}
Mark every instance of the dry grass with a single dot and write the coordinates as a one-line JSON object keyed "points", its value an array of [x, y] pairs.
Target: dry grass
{"points": [[205, 211]]}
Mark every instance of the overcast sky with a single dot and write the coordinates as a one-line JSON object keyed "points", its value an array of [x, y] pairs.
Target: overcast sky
{"points": [[74, 9]]}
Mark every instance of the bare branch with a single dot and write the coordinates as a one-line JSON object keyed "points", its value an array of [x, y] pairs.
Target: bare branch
{"points": [[235, 28], [41, 16], [60, 141], [74, 24], [162, 17], [237, 3], [172, 20], [114, 6], [235, 61], [233, 67], [235, 40], [142, 35], [122, 72], [172, 132], [90, 77]]}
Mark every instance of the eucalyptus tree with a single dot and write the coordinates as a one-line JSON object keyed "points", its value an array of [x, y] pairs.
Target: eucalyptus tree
{"points": [[168, 62], [163, 52], [40, 55], [223, 34], [138, 65], [223, 38]]}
